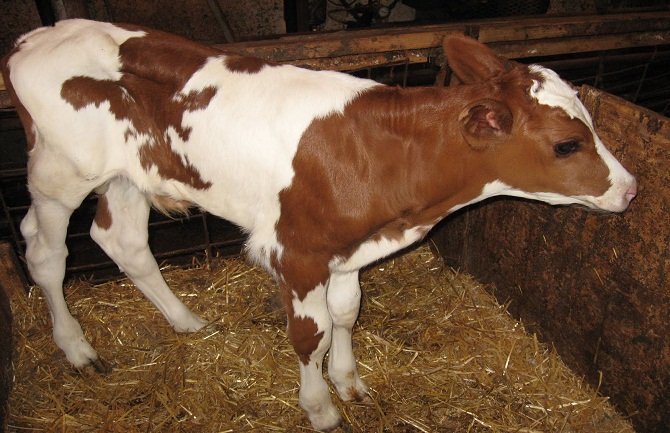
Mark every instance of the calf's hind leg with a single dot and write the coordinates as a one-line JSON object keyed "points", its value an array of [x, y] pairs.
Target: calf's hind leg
{"points": [[121, 230], [44, 228]]}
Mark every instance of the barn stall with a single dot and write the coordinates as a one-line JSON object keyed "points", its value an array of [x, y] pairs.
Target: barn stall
{"points": [[589, 288]]}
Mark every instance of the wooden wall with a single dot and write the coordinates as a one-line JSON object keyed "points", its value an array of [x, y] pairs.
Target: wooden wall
{"points": [[11, 284]]}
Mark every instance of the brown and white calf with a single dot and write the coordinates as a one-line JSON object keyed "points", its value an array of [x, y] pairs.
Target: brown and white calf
{"points": [[325, 172]]}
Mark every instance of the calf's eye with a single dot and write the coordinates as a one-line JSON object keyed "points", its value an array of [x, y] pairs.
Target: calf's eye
{"points": [[565, 148]]}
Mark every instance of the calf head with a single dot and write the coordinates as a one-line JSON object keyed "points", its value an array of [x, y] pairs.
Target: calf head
{"points": [[533, 134]]}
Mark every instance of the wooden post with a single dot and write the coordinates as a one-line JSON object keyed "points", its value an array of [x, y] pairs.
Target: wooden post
{"points": [[11, 284], [12, 278]]}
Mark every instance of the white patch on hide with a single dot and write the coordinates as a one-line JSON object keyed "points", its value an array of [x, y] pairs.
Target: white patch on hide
{"points": [[555, 92], [373, 250]]}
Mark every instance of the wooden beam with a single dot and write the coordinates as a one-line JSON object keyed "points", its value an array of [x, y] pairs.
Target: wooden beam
{"points": [[511, 37], [548, 47], [362, 61], [650, 26], [14, 281]]}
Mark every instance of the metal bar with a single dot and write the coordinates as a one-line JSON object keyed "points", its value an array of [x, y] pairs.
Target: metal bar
{"points": [[405, 74], [153, 224], [221, 19], [59, 9], [158, 256], [17, 208], [208, 248], [13, 172], [644, 75]]}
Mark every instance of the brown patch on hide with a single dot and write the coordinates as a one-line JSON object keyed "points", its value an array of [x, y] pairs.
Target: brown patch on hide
{"points": [[170, 165], [299, 274], [81, 92], [304, 335], [245, 64], [191, 101], [103, 217], [123, 104], [155, 68], [166, 58], [196, 99], [370, 173], [303, 271]]}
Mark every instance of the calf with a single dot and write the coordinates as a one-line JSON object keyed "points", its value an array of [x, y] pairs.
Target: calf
{"points": [[325, 172]]}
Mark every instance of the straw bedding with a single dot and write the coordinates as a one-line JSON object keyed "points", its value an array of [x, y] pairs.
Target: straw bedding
{"points": [[439, 354]]}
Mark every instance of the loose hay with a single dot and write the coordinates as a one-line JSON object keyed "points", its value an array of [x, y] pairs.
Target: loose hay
{"points": [[439, 355]]}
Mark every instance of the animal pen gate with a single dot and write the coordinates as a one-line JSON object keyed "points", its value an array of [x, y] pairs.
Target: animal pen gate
{"points": [[592, 285]]}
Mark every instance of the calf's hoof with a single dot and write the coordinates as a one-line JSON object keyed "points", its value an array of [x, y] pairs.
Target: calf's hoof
{"points": [[350, 387], [327, 420], [188, 322], [101, 366], [77, 350]]}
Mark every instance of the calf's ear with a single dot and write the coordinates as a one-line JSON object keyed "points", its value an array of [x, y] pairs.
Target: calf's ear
{"points": [[485, 123], [471, 61]]}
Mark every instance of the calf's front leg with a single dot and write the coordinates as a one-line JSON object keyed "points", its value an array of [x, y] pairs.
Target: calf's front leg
{"points": [[344, 300], [309, 331]]}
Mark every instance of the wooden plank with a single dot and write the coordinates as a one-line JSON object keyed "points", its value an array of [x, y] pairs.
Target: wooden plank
{"points": [[341, 43], [514, 50], [6, 340], [565, 27], [12, 277], [548, 47], [512, 37], [362, 61], [289, 48]]}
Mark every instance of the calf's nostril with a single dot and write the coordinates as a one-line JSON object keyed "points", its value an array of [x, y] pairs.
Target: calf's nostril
{"points": [[631, 193]]}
